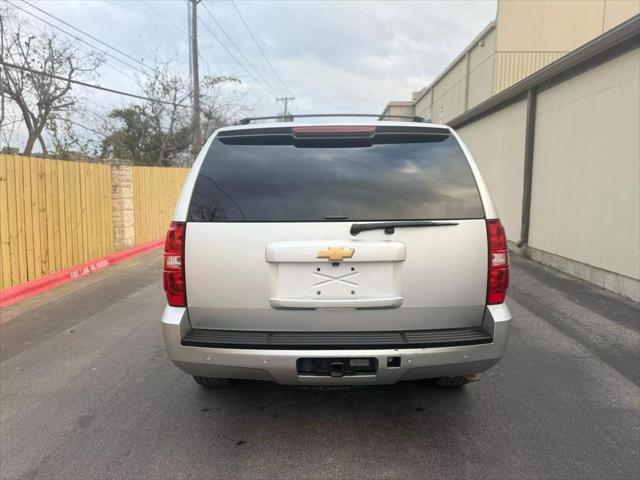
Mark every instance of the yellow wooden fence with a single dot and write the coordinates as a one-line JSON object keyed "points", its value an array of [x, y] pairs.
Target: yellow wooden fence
{"points": [[53, 214], [155, 193]]}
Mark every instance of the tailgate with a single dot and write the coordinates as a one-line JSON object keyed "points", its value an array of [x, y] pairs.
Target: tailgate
{"points": [[268, 240], [245, 276]]}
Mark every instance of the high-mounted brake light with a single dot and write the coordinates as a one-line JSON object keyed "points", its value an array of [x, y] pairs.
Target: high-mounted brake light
{"points": [[332, 130], [498, 280], [175, 287]]}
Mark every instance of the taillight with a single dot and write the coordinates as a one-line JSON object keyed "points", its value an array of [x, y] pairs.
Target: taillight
{"points": [[173, 272], [498, 281]]}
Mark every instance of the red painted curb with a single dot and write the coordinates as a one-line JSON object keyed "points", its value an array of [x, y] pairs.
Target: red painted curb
{"points": [[14, 294]]}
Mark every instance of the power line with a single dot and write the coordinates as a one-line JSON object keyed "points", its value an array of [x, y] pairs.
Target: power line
{"points": [[8, 124], [237, 48], [286, 101], [87, 128], [182, 30], [161, 15], [77, 38], [85, 33], [270, 91], [234, 58], [90, 85], [121, 72], [169, 21], [255, 40]]}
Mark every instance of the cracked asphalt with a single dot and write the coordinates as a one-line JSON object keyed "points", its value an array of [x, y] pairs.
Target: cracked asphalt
{"points": [[86, 391]]}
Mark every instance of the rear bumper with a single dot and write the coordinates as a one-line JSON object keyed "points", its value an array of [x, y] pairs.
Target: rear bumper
{"points": [[280, 365]]}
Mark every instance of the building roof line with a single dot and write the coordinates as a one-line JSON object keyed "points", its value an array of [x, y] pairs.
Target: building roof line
{"points": [[397, 103], [603, 48], [403, 103], [485, 31]]}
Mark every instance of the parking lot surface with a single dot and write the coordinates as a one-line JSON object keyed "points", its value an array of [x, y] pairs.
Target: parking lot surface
{"points": [[86, 391]]}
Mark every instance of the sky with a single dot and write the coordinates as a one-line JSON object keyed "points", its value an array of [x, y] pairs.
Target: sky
{"points": [[332, 56]]}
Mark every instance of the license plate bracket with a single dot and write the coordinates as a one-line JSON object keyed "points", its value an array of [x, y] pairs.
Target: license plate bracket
{"points": [[337, 367]]}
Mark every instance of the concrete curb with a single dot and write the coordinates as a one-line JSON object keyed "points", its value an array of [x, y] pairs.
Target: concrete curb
{"points": [[17, 293]]}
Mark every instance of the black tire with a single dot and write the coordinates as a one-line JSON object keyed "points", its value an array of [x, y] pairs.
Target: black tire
{"points": [[451, 382], [210, 382]]}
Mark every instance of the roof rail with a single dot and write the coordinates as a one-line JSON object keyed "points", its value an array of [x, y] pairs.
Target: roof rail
{"points": [[291, 117]]}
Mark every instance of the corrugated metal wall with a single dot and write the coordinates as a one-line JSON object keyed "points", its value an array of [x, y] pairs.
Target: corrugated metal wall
{"points": [[511, 67]]}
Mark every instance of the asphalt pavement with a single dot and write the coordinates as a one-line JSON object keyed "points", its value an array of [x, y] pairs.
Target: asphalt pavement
{"points": [[86, 391]]}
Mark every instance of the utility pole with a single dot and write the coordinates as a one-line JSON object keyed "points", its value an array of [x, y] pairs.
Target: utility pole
{"points": [[195, 77], [189, 44], [286, 101]]}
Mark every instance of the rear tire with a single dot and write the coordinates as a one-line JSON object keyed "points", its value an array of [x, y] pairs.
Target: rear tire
{"points": [[451, 382], [211, 382]]}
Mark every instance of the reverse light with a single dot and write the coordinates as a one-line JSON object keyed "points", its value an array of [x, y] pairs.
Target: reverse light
{"points": [[175, 287], [498, 278]]}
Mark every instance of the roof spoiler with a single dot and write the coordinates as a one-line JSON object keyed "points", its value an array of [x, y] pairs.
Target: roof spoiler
{"points": [[291, 117]]}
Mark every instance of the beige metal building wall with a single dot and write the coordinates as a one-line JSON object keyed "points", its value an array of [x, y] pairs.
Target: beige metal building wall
{"points": [[400, 108], [557, 25], [511, 67], [423, 105], [497, 145], [585, 199], [448, 94], [467, 81], [481, 69], [585, 202], [533, 33], [526, 36]]}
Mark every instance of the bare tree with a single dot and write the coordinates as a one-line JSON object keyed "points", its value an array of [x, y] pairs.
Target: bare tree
{"points": [[71, 136], [39, 97], [160, 133], [164, 83], [222, 101]]}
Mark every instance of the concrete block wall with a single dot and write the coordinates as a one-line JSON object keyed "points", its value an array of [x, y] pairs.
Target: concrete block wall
{"points": [[122, 206]]}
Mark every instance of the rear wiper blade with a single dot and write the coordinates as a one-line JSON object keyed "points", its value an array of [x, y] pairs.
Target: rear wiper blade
{"points": [[389, 227]]}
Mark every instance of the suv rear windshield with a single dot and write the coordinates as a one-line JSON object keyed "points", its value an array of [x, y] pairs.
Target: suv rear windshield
{"points": [[284, 178]]}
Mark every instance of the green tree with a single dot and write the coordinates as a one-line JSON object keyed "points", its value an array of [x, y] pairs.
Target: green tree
{"points": [[159, 133], [137, 138]]}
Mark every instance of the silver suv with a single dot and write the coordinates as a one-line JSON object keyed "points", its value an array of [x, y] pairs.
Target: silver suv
{"points": [[347, 254]]}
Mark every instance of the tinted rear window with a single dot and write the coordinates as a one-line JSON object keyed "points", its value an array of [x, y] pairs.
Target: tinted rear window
{"points": [[276, 178]]}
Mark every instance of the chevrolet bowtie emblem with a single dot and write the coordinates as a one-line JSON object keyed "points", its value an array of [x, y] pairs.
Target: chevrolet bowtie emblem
{"points": [[336, 254]]}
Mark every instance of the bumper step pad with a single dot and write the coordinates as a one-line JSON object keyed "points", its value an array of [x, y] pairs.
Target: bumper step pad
{"points": [[450, 337]]}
